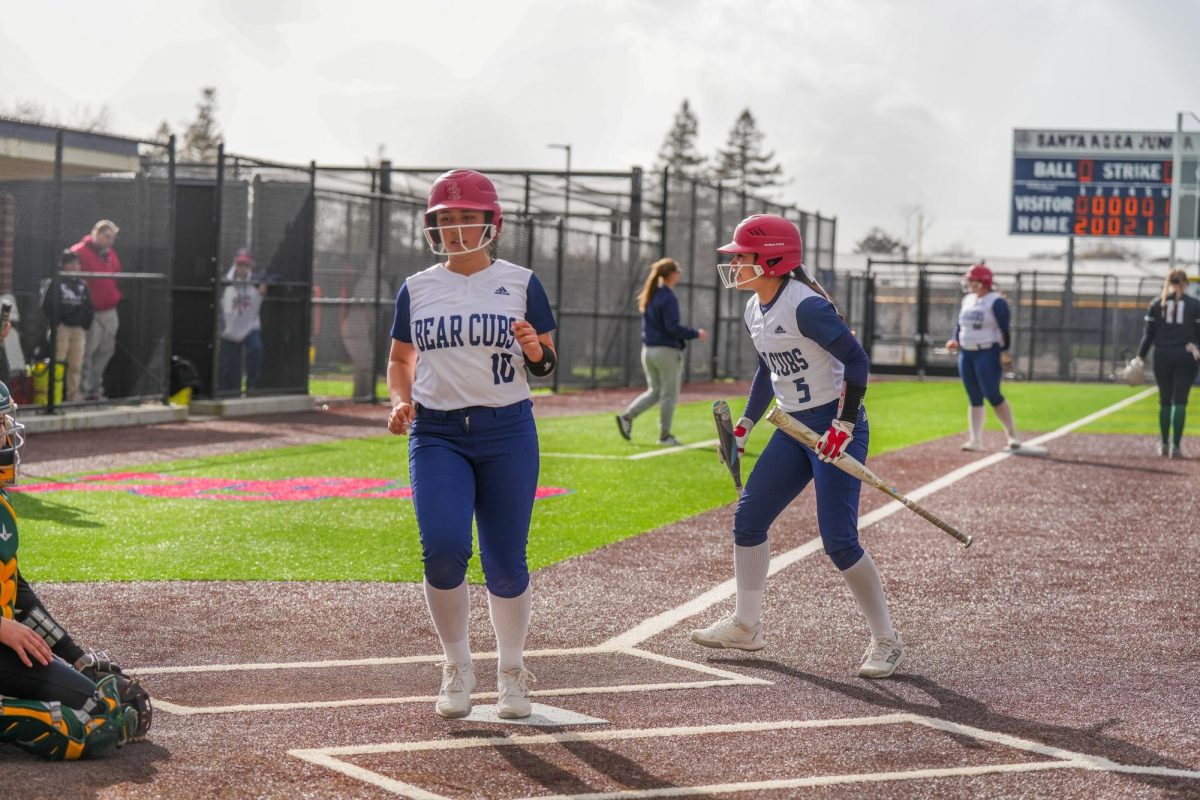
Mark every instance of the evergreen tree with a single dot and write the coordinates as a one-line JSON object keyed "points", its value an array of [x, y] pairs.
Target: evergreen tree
{"points": [[742, 163], [678, 152], [879, 242], [202, 136]]}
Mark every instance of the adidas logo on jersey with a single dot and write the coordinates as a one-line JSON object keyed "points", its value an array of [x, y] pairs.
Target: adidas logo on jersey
{"points": [[502, 291], [779, 329]]}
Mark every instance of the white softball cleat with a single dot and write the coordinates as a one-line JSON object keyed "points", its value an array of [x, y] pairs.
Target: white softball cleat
{"points": [[972, 446], [882, 657], [728, 633], [513, 684], [1013, 444], [454, 698]]}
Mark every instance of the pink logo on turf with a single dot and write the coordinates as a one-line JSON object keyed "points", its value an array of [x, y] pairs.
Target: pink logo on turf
{"points": [[154, 484]]}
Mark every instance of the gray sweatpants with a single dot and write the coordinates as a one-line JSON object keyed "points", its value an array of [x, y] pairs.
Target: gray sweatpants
{"points": [[98, 351], [664, 370]]}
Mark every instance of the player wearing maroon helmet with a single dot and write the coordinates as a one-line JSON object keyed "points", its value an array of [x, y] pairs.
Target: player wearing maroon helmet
{"points": [[814, 368], [981, 340], [465, 331]]}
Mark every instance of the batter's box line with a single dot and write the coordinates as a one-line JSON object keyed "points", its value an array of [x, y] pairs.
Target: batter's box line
{"points": [[720, 677], [331, 757]]}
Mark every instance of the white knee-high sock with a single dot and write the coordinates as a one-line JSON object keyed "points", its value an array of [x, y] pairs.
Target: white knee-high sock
{"points": [[750, 565], [867, 588], [451, 609], [510, 620], [1005, 415], [975, 418]]}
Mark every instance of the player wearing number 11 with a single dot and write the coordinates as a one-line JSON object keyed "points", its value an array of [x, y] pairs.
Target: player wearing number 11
{"points": [[464, 334], [814, 368]]}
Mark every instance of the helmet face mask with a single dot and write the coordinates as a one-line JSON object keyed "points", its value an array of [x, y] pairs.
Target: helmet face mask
{"points": [[12, 438], [774, 244], [729, 273], [465, 190], [980, 274]]}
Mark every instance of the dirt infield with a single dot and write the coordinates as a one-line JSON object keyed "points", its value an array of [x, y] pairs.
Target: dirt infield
{"points": [[1055, 658]]}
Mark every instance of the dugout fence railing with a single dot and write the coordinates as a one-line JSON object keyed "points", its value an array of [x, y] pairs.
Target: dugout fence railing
{"points": [[1080, 329], [55, 185]]}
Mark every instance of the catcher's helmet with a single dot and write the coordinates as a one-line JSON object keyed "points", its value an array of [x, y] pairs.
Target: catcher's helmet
{"points": [[12, 438], [463, 189], [774, 242], [980, 273]]}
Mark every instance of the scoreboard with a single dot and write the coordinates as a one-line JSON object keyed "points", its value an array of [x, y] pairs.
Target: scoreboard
{"points": [[1102, 183]]}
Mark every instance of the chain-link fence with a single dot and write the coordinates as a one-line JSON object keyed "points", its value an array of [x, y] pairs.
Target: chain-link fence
{"points": [[1082, 327], [57, 188]]}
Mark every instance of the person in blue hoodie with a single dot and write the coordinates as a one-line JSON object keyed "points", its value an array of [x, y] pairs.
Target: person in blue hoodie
{"points": [[663, 339]]}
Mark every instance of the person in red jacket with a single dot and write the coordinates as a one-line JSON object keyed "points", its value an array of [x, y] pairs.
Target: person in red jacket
{"points": [[96, 254]]}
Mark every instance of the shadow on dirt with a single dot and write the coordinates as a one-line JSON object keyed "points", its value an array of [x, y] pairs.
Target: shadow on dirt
{"points": [[28, 776], [949, 705]]}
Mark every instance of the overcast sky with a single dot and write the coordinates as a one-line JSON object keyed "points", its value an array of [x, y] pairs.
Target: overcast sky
{"points": [[872, 107]]}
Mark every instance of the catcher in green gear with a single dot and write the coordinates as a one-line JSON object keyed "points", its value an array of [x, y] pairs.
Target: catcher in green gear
{"points": [[48, 707]]}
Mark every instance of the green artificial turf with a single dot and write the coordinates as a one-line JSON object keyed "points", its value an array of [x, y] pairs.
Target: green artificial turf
{"points": [[78, 536]]}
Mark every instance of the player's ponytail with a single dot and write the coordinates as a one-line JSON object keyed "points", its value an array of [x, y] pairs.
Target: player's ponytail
{"points": [[800, 273], [658, 270]]}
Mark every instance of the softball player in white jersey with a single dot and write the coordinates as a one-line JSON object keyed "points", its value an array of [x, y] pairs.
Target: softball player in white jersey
{"points": [[465, 331], [815, 369]]}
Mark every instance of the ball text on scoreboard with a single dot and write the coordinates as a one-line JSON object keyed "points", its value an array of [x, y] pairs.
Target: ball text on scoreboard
{"points": [[1094, 183]]}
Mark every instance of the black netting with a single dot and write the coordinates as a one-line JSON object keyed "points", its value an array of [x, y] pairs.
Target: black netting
{"points": [[122, 353]]}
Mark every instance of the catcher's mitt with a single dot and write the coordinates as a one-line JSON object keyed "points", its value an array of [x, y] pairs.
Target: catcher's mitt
{"points": [[96, 666], [1134, 373]]}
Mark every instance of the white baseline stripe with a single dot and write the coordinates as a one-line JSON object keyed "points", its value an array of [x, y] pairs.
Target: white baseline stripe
{"points": [[666, 451], [626, 688], [816, 780], [350, 662], [650, 628], [366, 775]]}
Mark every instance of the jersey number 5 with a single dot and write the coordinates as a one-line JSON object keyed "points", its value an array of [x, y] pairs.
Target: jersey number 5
{"points": [[503, 370], [803, 395]]}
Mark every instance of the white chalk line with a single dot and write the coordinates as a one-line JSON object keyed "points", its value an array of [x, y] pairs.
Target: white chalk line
{"points": [[655, 625], [1064, 759], [724, 678], [665, 451]]}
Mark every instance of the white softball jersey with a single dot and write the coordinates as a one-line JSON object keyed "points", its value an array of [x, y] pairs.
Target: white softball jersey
{"points": [[803, 373], [977, 323], [461, 326]]}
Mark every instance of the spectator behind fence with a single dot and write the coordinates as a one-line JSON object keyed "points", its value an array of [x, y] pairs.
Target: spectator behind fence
{"points": [[96, 254], [72, 320], [663, 341], [241, 337]]}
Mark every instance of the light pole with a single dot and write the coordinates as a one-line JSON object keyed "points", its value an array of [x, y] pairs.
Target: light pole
{"points": [[567, 198], [1176, 183]]}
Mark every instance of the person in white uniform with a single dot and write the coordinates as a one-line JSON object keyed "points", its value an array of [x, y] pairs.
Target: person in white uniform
{"points": [[465, 332]]}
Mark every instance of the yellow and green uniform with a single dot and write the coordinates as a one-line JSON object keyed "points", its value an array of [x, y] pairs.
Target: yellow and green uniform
{"points": [[49, 710]]}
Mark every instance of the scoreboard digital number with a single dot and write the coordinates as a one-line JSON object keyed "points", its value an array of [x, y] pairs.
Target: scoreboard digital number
{"points": [[1093, 183]]}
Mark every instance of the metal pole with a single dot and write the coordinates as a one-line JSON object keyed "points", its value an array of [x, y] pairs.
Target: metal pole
{"points": [[381, 239], [1068, 304], [595, 344], [691, 304], [168, 333], [635, 204], [56, 268], [214, 365], [310, 252], [718, 297], [1176, 168], [666, 198], [558, 295]]}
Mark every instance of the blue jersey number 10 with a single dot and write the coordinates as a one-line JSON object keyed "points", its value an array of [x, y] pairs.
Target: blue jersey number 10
{"points": [[503, 370]]}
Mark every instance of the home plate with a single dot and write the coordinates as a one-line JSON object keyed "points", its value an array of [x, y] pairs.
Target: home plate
{"points": [[542, 715]]}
